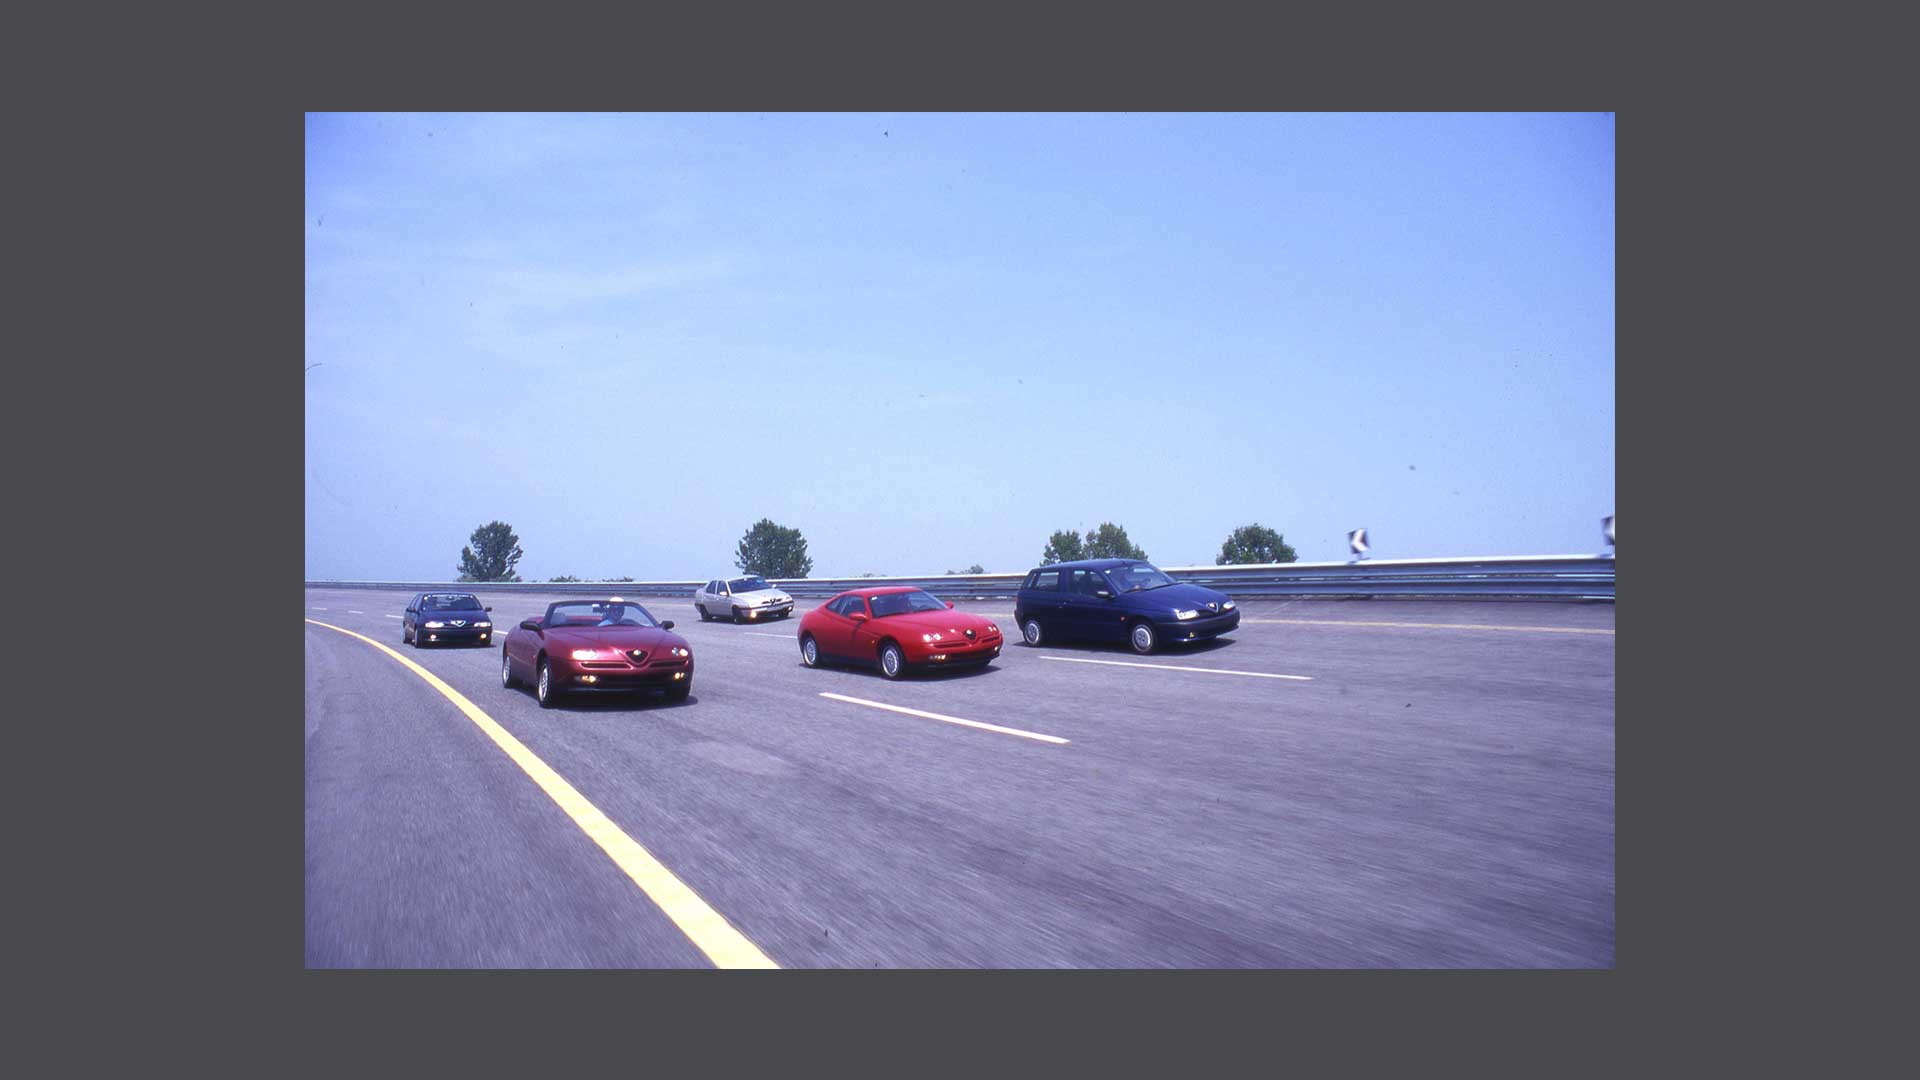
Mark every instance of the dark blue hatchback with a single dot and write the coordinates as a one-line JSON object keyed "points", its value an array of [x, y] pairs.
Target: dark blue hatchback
{"points": [[1118, 600]]}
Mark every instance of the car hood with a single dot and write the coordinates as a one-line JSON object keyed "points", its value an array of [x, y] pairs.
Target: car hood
{"points": [[1178, 595], [761, 596], [932, 622], [649, 638]]}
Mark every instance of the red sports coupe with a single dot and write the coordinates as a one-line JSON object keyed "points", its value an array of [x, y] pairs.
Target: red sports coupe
{"points": [[895, 629], [596, 646]]}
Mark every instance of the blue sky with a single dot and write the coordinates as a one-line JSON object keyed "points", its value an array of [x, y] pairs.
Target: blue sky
{"points": [[928, 341]]}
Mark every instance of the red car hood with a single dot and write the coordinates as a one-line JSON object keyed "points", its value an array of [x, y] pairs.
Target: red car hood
{"points": [[650, 638], [934, 622]]}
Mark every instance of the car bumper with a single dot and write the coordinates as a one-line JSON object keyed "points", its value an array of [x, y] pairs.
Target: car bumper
{"points": [[603, 677], [1198, 629], [448, 635], [973, 654], [771, 611]]}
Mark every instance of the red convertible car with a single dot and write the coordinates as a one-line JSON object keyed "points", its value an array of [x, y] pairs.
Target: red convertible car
{"points": [[596, 646], [895, 629]]}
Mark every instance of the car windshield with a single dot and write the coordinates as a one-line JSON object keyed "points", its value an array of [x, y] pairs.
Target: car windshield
{"points": [[449, 602], [902, 603], [599, 613], [1135, 577], [748, 584]]}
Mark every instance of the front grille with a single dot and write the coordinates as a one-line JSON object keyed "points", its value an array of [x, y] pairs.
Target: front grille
{"points": [[636, 655]]}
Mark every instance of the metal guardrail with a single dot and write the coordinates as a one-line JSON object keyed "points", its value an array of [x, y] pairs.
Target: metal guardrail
{"points": [[1565, 577]]}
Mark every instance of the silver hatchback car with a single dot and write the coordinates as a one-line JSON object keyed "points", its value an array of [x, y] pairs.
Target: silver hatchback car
{"points": [[742, 599]]}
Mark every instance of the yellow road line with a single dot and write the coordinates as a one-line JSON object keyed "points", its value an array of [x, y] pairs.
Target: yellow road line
{"points": [[949, 719], [1436, 626], [705, 927]]}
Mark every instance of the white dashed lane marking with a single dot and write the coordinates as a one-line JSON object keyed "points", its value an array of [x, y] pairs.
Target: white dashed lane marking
{"points": [[1179, 667]]}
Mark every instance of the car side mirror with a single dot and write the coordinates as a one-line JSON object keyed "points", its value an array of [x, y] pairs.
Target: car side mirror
{"points": [[858, 617], [489, 609], [949, 604], [530, 624], [668, 625]]}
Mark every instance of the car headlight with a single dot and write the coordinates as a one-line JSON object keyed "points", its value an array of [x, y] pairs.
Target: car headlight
{"points": [[484, 625], [1193, 614], [929, 638], [435, 625], [1228, 606], [680, 652], [993, 628], [583, 654]]}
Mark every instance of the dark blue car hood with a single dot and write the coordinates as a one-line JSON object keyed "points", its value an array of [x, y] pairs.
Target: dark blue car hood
{"points": [[1178, 595]]}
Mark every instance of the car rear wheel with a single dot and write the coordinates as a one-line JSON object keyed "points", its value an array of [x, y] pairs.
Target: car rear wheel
{"points": [[704, 617], [544, 689], [809, 651], [1031, 631], [506, 669], [1142, 638], [892, 663]]}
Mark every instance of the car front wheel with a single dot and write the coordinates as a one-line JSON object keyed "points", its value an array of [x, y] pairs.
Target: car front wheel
{"points": [[1031, 631], [1143, 639], [892, 663], [419, 639], [737, 616], [544, 688]]}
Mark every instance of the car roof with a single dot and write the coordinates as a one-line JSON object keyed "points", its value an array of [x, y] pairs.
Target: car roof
{"points": [[881, 590], [1088, 564]]}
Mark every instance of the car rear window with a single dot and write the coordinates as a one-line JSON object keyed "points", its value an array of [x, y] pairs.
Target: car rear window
{"points": [[1044, 581]]}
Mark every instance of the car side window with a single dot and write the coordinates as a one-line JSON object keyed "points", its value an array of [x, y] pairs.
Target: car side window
{"points": [[1086, 583], [1045, 581]]}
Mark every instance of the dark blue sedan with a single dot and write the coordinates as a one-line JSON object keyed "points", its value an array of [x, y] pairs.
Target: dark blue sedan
{"points": [[1118, 600]]}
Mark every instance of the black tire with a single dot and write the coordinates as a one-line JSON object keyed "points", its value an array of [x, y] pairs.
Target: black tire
{"points": [[507, 681], [544, 690], [1030, 631], [406, 636], [893, 662], [419, 642], [679, 693], [1143, 637], [809, 651], [704, 617], [736, 615]]}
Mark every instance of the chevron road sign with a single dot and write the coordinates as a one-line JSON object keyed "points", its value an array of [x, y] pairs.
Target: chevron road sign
{"points": [[1357, 540], [1606, 526]]}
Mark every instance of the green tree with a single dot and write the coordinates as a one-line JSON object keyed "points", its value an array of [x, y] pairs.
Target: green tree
{"points": [[1255, 543], [564, 579], [1109, 541], [1063, 546], [492, 552], [773, 551], [976, 568]]}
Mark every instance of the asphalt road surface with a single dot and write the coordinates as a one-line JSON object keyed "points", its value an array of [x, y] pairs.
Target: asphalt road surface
{"points": [[1437, 792]]}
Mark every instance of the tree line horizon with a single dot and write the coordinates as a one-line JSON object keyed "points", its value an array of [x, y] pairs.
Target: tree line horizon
{"points": [[777, 551]]}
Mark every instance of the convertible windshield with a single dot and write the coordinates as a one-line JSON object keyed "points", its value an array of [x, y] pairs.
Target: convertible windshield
{"points": [[608, 613], [1135, 577], [901, 603], [748, 584], [449, 602]]}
